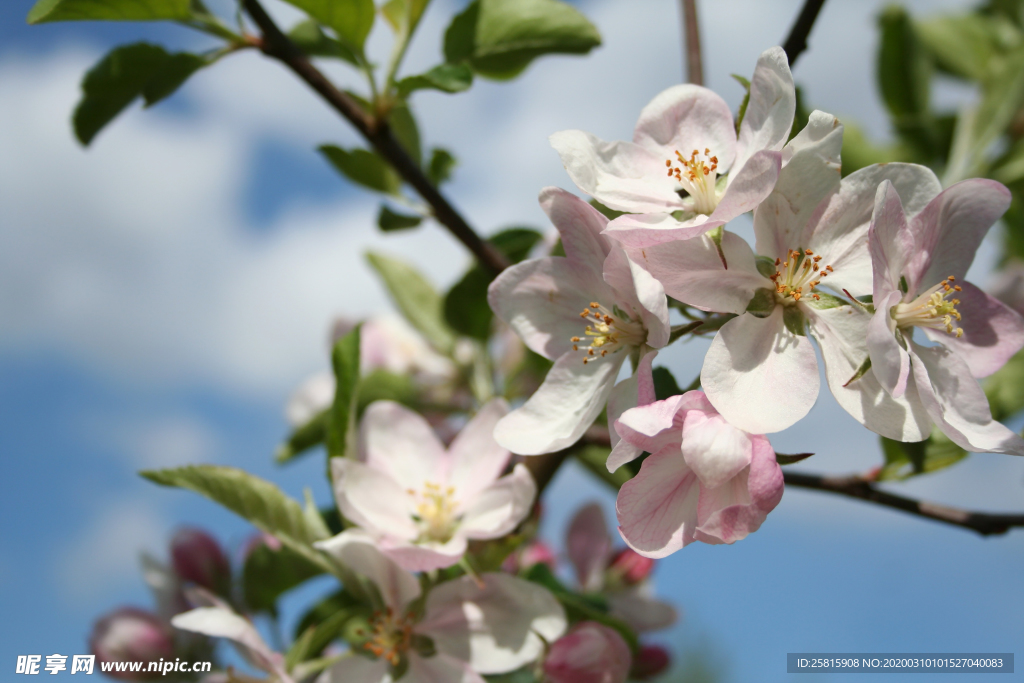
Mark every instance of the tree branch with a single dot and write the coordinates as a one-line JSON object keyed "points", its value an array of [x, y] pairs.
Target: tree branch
{"points": [[277, 45], [854, 486], [691, 33], [797, 40]]}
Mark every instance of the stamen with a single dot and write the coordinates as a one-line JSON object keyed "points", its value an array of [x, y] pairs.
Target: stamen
{"points": [[698, 177], [798, 275], [608, 332], [931, 309]]}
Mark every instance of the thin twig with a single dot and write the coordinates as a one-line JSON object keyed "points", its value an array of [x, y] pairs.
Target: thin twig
{"points": [[691, 32], [797, 40], [277, 45], [984, 523]]}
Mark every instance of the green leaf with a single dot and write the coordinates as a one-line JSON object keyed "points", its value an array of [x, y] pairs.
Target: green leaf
{"points": [[450, 78], [341, 426], [391, 221], [109, 10], [499, 38], [801, 116], [904, 73], [323, 611], [124, 74], [254, 499], [381, 385], [311, 39], [1003, 96], [416, 299], [1011, 166], [678, 331], [351, 20], [406, 132], [465, 305], [904, 460], [961, 44], [595, 459], [665, 384], [268, 574], [440, 166], [746, 100], [1005, 388], [363, 167], [610, 214], [309, 435], [403, 15]]}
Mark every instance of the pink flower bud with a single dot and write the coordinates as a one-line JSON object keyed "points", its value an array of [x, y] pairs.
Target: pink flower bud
{"points": [[131, 635], [535, 552], [650, 661], [629, 567], [589, 653], [197, 557]]}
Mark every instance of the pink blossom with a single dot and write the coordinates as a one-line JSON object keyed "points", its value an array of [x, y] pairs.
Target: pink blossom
{"points": [[589, 653], [131, 635], [704, 480]]}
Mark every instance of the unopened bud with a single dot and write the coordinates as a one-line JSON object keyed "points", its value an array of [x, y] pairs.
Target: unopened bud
{"points": [[650, 661], [629, 567], [589, 653], [131, 635], [197, 557], [535, 552]]}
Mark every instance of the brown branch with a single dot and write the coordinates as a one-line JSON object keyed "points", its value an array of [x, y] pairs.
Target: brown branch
{"points": [[853, 486], [691, 33], [277, 45], [797, 40]]}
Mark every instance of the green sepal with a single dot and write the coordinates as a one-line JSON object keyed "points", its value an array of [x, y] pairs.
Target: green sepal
{"points": [[795, 320], [861, 371], [766, 266], [784, 459], [743, 105], [763, 303], [824, 301]]}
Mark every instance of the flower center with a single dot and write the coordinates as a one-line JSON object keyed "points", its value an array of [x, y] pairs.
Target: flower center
{"points": [[798, 275], [435, 511], [931, 309], [390, 637], [697, 176], [608, 332]]}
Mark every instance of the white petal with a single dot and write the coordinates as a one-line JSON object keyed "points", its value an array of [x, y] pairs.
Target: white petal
{"points": [[637, 291], [749, 186], [889, 361], [357, 669], [400, 443], [475, 458], [424, 556], [499, 508], [760, 376], [890, 241], [357, 551], [715, 450], [769, 116], [641, 611], [439, 668], [495, 628], [571, 397], [314, 395], [372, 499], [637, 230], [222, 623], [579, 225], [687, 117], [629, 393]]}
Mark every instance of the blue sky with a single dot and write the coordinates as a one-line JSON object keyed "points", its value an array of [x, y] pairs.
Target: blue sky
{"points": [[162, 292]]}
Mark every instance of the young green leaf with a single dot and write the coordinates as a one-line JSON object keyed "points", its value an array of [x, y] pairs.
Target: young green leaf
{"points": [[962, 44], [109, 10], [905, 460], [416, 298], [448, 78], [363, 167], [665, 385], [311, 39], [267, 574], [441, 164], [406, 132], [309, 435], [168, 78], [391, 221], [351, 20], [341, 426], [1005, 388]]}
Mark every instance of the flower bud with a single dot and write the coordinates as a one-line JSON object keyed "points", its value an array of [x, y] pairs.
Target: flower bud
{"points": [[589, 653], [629, 567], [535, 552], [197, 557], [650, 661], [131, 635]]}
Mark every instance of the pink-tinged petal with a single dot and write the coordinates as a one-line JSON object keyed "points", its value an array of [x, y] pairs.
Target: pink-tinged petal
{"points": [[640, 610], [636, 290], [889, 361], [475, 459], [692, 272], [657, 509], [653, 427], [572, 396], [218, 622], [356, 669], [687, 117], [810, 175], [499, 508], [957, 404], [424, 556], [993, 332], [357, 550], [579, 224], [736, 509], [749, 187], [839, 227], [621, 175], [589, 653], [770, 110], [890, 241], [541, 300], [714, 449], [635, 390], [841, 333], [589, 546], [439, 668], [496, 627], [401, 444], [372, 499], [638, 230], [949, 230], [760, 376]]}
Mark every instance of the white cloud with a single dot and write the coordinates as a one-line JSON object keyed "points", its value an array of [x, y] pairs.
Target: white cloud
{"points": [[155, 442]]}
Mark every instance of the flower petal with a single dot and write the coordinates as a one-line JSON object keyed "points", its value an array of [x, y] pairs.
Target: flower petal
{"points": [[641, 611], [372, 499], [657, 509], [957, 404], [686, 117], [496, 627], [692, 272], [760, 376], [951, 227], [621, 175], [424, 556], [890, 241], [652, 427], [629, 393], [400, 443], [993, 332], [770, 110], [356, 669], [637, 230], [749, 186], [714, 449], [811, 174], [218, 622], [475, 459], [356, 550], [638, 289], [439, 668], [579, 224], [571, 397], [499, 508], [314, 395], [889, 361], [589, 546]]}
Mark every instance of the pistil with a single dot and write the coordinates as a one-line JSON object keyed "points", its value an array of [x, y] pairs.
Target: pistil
{"points": [[798, 275], [933, 309]]}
